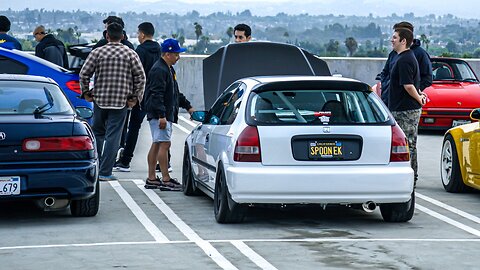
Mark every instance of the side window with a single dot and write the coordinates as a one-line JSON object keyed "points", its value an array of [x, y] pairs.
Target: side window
{"points": [[232, 107], [10, 66], [213, 116]]}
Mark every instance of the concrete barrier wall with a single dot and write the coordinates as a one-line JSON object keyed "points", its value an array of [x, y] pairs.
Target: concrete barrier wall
{"points": [[190, 73]]}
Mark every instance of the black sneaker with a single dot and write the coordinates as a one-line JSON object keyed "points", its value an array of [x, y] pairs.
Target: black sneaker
{"points": [[120, 166]]}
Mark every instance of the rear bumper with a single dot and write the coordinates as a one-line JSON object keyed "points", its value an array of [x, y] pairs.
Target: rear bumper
{"points": [[391, 183], [70, 182]]}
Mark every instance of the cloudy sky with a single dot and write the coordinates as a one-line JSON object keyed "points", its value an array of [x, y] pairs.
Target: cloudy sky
{"points": [[459, 8]]}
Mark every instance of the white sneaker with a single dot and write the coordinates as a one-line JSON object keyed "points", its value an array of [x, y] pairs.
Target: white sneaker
{"points": [[170, 169]]}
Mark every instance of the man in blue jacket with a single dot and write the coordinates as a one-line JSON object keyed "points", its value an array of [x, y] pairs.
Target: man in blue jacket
{"points": [[7, 41], [162, 101], [423, 59], [149, 52]]}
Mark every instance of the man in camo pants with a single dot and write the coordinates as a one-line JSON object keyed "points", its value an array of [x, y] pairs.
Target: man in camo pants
{"points": [[404, 99]]}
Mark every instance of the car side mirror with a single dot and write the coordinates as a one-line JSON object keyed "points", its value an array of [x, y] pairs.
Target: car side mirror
{"points": [[84, 112], [475, 114], [199, 116]]}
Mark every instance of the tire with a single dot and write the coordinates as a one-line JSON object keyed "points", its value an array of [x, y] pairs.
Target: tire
{"points": [[450, 168], [87, 207], [225, 213], [188, 184], [398, 212]]}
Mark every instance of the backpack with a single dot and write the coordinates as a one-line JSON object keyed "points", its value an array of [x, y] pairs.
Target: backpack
{"points": [[54, 54]]}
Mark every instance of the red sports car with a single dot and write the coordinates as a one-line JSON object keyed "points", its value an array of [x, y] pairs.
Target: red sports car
{"points": [[455, 92]]}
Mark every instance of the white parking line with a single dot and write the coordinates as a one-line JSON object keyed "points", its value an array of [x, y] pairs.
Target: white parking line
{"points": [[448, 220], [252, 255], [181, 128], [315, 240], [191, 123], [184, 228], [449, 208], [138, 212]]}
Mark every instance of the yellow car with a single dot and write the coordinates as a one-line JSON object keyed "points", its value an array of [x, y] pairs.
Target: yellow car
{"points": [[460, 164]]}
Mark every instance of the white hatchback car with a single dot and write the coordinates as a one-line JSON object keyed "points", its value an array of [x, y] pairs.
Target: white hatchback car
{"points": [[299, 140]]}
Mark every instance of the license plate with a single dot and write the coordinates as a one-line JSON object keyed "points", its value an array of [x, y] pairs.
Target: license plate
{"points": [[460, 122], [325, 149], [9, 185]]}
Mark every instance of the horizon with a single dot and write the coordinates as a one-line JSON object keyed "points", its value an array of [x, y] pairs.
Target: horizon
{"points": [[465, 9]]}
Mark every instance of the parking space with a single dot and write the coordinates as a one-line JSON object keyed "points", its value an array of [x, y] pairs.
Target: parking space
{"points": [[145, 229]]}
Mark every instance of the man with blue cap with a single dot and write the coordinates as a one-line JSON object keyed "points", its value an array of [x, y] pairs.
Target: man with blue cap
{"points": [[162, 101]]}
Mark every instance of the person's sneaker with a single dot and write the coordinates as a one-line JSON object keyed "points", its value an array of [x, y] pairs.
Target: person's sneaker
{"points": [[120, 166], [107, 178]]}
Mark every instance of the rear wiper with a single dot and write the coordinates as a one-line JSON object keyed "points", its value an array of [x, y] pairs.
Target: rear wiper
{"points": [[45, 107]]}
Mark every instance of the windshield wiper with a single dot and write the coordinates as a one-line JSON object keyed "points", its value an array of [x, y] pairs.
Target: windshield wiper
{"points": [[45, 107], [469, 80]]}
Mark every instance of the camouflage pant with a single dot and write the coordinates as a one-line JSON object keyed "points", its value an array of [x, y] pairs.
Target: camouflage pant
{"points": [[408, 122]]}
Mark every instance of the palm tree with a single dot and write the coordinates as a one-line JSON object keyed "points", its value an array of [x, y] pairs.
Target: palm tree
{"points": [[425, 41], [198, 30], [230, 33], [351, 45]]}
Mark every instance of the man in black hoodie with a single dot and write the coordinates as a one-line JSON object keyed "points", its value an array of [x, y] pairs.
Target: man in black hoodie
{"points": [[50, 48], [103, 41], [149, 52]]}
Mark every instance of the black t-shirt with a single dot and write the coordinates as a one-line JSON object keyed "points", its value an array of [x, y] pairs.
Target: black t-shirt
{"points": [[405, 71]]}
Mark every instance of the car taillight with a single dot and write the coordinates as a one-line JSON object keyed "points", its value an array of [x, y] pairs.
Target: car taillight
{"points": [[74, 86], [56, 144], [247, 148], [399, 150]]}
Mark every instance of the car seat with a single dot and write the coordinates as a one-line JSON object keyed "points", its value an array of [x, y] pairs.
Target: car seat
{"points": [[443, 74], [337, 109], [29, 105], [261, 106]]}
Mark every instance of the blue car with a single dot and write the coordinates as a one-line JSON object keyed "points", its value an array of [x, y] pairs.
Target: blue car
{"points": [[19, 62], [47, 149]]}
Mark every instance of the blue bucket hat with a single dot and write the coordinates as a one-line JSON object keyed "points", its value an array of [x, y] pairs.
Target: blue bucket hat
{"points": [[171, 45]]}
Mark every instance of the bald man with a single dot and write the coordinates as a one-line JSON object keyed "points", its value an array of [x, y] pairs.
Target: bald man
{"points": [[50, 48]]}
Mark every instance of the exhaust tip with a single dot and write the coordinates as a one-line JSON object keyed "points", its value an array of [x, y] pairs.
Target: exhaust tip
{"points": [[369, 206], [49, 201]]}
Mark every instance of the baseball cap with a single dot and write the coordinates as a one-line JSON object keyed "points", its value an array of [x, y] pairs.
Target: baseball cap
{"points": [[114, 19], [171, 45]]}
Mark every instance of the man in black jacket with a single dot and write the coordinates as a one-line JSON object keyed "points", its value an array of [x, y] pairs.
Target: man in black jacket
{"points": [[149, 52], [50, 48], [162, 101], [103, 41]]}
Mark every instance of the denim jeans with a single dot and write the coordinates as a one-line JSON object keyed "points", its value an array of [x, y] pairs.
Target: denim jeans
{"points": [[107, 128]]}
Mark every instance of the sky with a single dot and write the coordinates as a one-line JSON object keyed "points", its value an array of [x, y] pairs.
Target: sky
{"points": [[460, 8]]}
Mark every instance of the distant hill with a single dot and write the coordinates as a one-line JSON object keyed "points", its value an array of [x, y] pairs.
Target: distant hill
{"points": [[462, 8]]}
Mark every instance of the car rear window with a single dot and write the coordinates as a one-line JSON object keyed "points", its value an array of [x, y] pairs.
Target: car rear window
{"points": [[316, 107], [20, 97]]}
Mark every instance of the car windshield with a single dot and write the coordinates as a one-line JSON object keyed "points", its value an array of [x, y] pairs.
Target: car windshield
{"points": [[23, 97], [452, 70], [316, 107]]}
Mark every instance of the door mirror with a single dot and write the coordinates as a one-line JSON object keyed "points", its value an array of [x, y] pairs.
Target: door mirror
{"points": [[475, 114], [199, 116], [84, 112]]}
